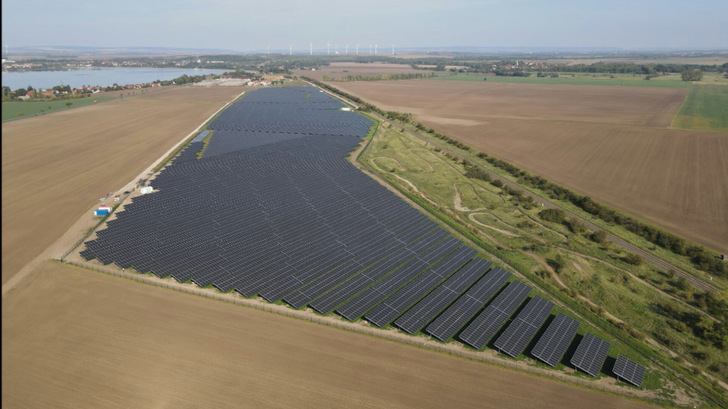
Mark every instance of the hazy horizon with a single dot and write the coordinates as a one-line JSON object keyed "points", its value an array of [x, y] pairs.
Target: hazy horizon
{"points": [[249, 27]]}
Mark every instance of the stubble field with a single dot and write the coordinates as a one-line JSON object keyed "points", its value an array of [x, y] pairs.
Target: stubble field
{"points": [[55, 166], [610, 143]]}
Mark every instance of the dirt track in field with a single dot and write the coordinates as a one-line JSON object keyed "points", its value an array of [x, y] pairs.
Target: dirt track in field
{"points": [[610, 143], [88, 340], [56, 166]]}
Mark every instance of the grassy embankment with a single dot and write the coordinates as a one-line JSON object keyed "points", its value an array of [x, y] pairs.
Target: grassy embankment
{"points": [[591, 279], [566, 78], [704, 109], [21, 109]]}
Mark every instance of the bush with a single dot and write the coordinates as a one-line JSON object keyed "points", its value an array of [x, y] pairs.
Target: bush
{"points": [[576, 226], [552, 215], [476, 172], [631, 258], [599, 236]]}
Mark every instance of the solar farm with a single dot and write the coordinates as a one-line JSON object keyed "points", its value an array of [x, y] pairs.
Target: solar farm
{"points": [[274, 209]]}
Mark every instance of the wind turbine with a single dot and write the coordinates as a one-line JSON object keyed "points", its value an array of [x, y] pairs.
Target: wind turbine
{"points": [[347, 49], [290, 49], [392, 49], [328, 48], [357, 49], [336, 48], [310, 48], [375, 49]]}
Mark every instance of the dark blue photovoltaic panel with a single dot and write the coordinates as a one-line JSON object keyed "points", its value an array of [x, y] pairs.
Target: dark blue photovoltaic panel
{"points": [[449, 322], [590, 354], [520, 332], [628, 370], [430, 306], [397, 279], [554, 342], [485, 325], [395, 305]]}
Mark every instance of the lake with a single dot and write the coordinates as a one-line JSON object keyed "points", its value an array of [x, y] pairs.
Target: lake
{"points": [[95, 76]]}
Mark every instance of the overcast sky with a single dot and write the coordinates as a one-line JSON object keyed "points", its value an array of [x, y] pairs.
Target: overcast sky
{"points": [[248, 26]]}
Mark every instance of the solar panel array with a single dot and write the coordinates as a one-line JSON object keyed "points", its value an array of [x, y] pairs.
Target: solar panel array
{"points": [[523, 328], [590, 354], [457, 315], [628, 370], [485, 325], [274, 209], [392, 307], [552, 345], [436, 301]]}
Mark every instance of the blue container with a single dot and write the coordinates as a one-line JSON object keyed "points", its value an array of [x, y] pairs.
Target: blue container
{"points": [[100, 212]]}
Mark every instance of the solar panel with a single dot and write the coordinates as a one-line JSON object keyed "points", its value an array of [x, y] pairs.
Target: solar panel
{"points": [[485, 325], [427, 308], [552, 345], [518, 334], [629, 371], [461, 311], [590, 354], [394, 306]]}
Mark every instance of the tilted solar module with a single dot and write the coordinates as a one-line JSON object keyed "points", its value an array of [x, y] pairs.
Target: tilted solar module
{"points": [[554, 342], [520, 332], [380, 291], [394, 306], [431, 305], [485, 325], [628, 370], [461, 311], [590, 354]]}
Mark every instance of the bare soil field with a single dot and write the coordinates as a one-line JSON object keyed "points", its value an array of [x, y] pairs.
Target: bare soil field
{"points": [[610, 143], [74, 338], [56, 166], [339, 70]]}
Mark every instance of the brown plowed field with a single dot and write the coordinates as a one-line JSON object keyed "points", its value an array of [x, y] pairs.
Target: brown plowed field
{"points": [[55, 167], [79, 339], [340, 70], [610, 143]]}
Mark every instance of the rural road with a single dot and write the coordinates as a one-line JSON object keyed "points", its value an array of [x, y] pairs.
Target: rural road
{"points": [[660, 263]]}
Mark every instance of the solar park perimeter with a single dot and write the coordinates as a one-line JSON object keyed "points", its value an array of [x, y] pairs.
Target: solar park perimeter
{"points": [[274, 209]]}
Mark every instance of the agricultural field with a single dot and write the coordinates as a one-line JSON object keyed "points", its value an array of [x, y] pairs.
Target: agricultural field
{"points": [[705, 109], [609, 143], [13, 110], [668, 81], [54, 167], [568, 78], [339, 70]]}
